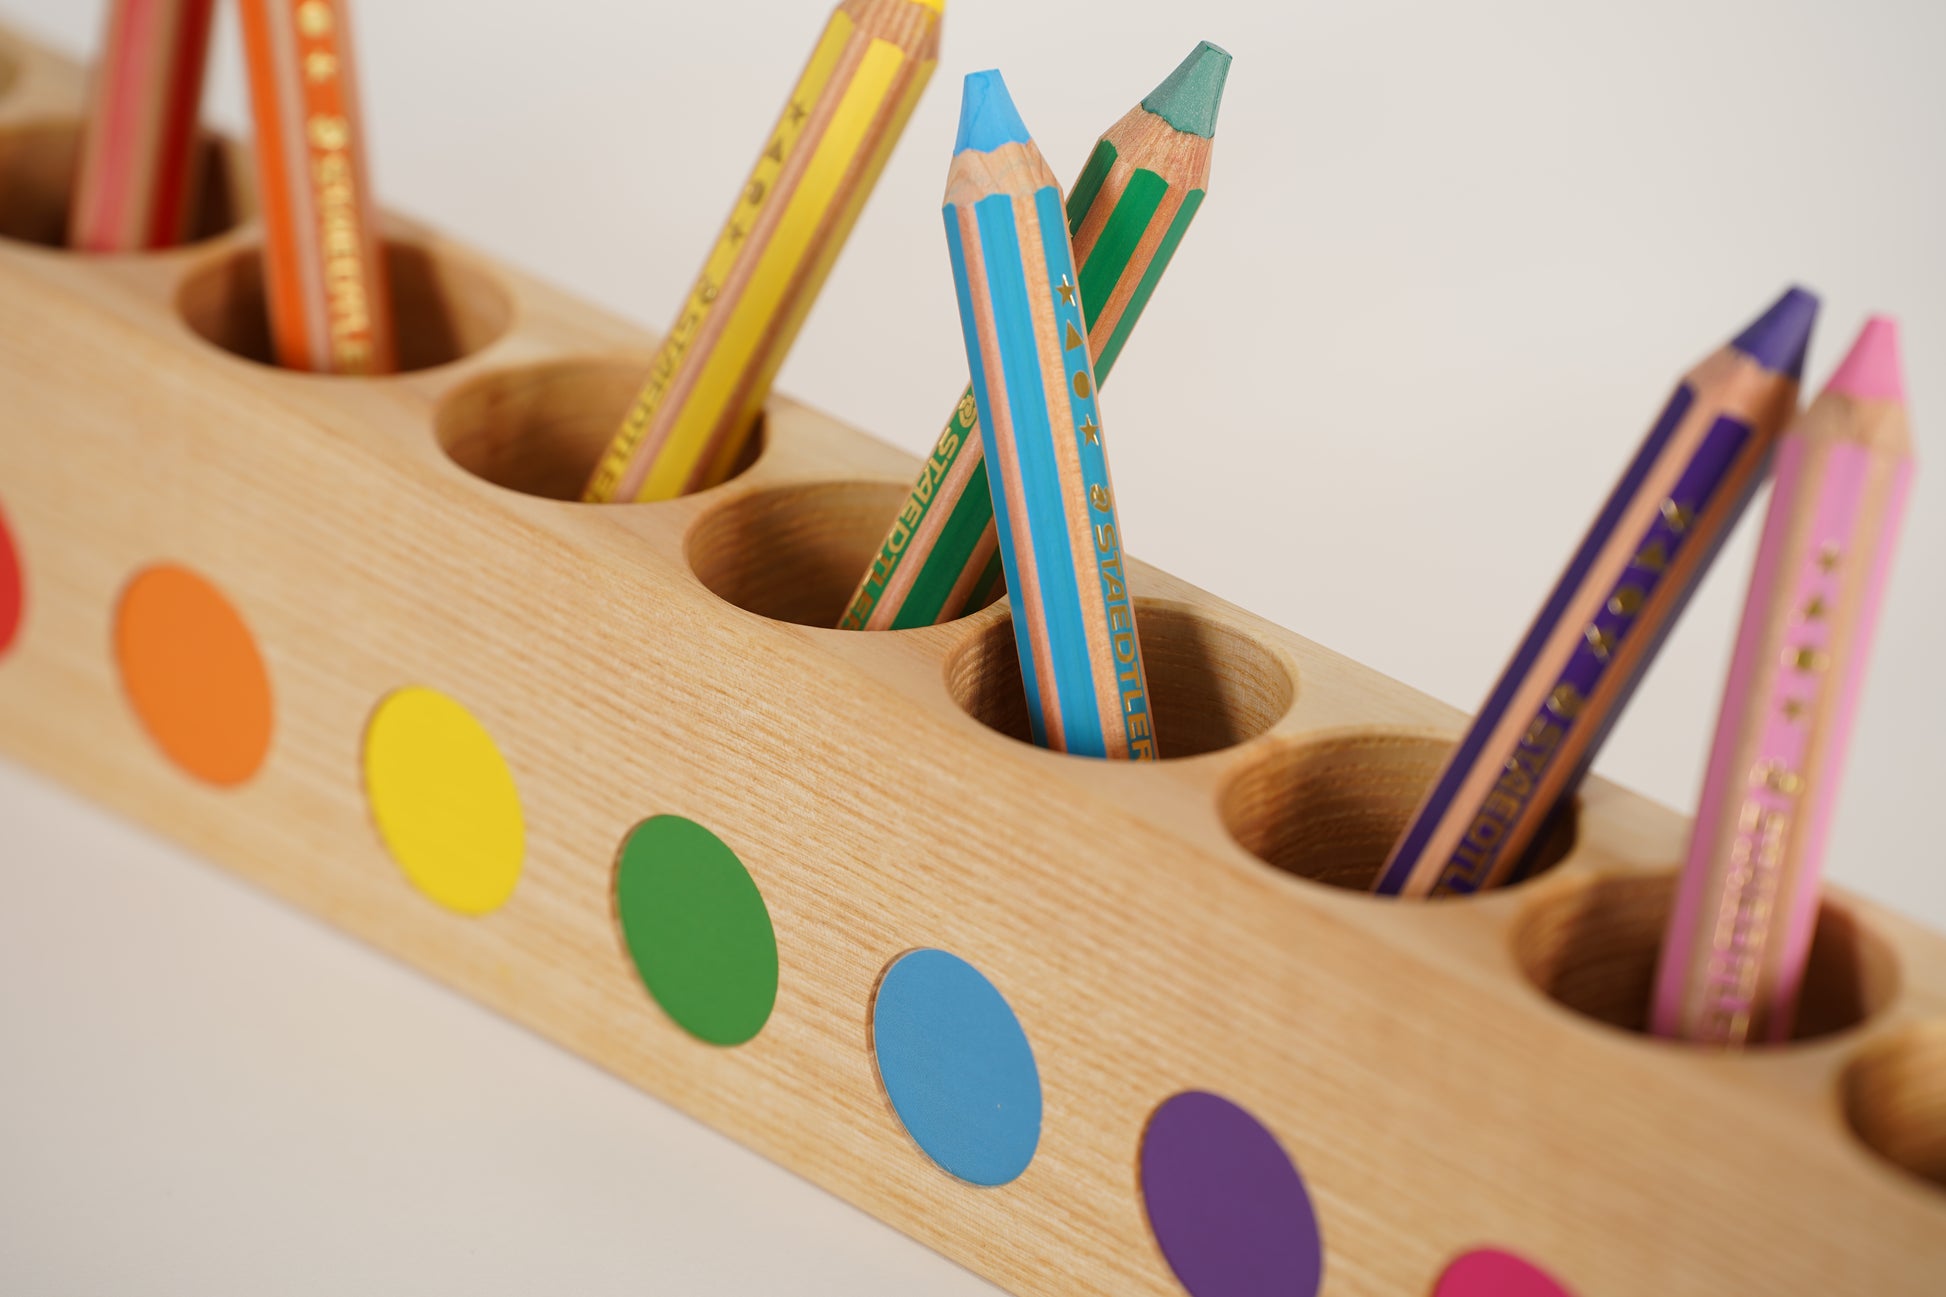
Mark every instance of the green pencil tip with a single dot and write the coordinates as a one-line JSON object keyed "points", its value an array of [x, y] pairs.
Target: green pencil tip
{"points": [[1189, 99]]}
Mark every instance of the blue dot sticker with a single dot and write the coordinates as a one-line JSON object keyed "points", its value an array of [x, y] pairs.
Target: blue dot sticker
{"points": [[957, 1067]]}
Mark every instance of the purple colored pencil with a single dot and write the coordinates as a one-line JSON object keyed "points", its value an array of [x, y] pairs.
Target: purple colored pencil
{"points": [[1627, 583]]}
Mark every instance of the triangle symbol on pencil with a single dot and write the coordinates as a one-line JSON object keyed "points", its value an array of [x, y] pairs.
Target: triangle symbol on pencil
{"points": [[1074, 337]]}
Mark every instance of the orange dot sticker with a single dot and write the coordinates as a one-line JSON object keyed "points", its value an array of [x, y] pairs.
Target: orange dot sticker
{"points": [[193, 674]]}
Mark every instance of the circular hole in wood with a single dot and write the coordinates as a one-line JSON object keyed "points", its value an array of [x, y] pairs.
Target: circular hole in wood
{"points": [[445, 308], [1210, 687], [37, 171], [1330, 809], [794, 553], [1592, 946], [1895, 1100], [540, 430]]}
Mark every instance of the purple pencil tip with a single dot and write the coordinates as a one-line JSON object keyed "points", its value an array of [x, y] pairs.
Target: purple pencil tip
{"points": [[1779, 338]]}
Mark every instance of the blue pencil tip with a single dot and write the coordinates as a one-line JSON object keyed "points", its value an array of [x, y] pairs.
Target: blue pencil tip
{"points": [[1779, 338], [987, 116]]}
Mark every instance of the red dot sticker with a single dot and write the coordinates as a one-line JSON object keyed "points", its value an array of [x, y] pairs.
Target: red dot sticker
{"points": [[1489, 1272], [12, 589]]}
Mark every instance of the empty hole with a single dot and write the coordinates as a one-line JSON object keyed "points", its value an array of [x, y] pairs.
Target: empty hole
{"points": [[1210, 687], [794, 553], [1330, 809], [1895, 1100], [541, 429], [37, 170], [1592, 947], [444, 309]]}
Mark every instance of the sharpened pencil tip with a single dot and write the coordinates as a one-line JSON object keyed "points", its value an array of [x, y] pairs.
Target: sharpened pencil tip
{"points": [[1871, 370], [1779, 338], [1191, 95], [987, 116]]}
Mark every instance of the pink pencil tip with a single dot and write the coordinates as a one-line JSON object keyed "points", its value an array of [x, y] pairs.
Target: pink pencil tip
{"points": [[1871, 371]]}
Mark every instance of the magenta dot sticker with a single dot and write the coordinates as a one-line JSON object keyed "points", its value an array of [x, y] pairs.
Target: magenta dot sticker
{"points": [[12, 595], [1226, 1204], [1489, 1272]]}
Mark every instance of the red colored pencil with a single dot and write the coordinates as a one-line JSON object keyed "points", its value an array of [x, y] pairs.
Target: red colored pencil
{"points": [[138, 174]]}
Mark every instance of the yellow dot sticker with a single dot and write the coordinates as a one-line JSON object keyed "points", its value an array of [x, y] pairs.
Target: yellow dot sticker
{"points": [[443, 800]]}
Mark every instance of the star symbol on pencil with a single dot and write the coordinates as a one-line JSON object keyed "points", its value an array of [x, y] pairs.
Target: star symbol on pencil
{"points": [[1815, 610], [1792, 709], [1827, 558], [1092, 431], [320, 65], [1067, 291], [736, 232], [798, 114]]}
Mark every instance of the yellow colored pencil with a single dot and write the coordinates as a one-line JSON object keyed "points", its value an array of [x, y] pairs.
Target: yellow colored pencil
{"points": [[708, 382]]}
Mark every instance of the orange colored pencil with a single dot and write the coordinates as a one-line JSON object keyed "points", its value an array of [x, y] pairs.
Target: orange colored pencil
{"points": [[138, 176], [324, 268]]}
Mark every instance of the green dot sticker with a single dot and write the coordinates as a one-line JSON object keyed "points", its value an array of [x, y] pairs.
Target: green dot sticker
{"points": [[697, 928]]}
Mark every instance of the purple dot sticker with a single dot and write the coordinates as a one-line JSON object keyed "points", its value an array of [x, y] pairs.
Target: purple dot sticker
{"points": [[1489, 1272], [1226, 1203]]}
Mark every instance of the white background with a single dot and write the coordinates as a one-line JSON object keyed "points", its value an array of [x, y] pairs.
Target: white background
{"points": [[1453, 257]]}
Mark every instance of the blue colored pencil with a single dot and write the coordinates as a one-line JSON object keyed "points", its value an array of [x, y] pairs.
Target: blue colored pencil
{"points": [[1034, 381]]}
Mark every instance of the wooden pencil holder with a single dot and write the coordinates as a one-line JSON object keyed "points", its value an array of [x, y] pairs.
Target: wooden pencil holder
{"points": [[1443, 1076]]}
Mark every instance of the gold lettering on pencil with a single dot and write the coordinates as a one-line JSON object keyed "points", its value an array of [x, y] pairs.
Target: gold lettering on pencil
{"points": [[1777, 777], [968, 410], [1806, 659], [1099, 497], [314, 19], [329, 134], [1565, 701], [1105, 537], [1472, 862], [1111, 576], [1751, 876], [341, 239]]}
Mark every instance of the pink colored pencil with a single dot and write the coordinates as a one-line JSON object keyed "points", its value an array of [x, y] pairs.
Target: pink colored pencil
{"points": [[1733, 959], [138, 175]]}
